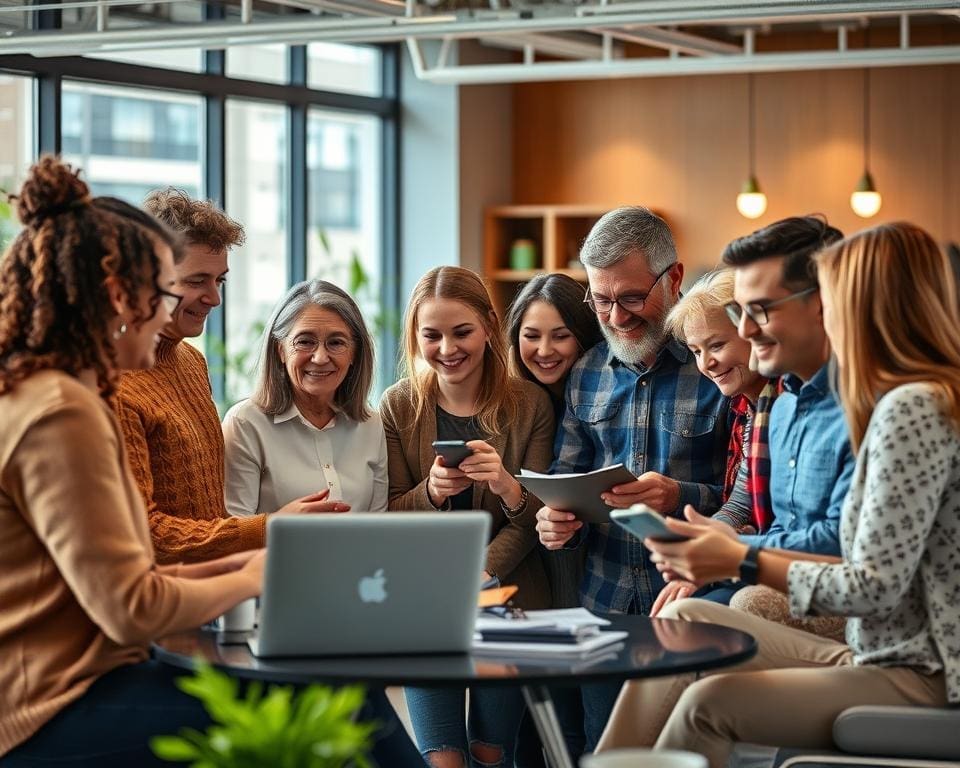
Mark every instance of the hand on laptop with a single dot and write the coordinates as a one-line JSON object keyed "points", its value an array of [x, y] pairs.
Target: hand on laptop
{"points": [[312, 504], [556, 527], [445, 482]]}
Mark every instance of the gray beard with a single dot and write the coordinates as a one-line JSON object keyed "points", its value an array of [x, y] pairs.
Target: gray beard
{"points": [[635, 351]]}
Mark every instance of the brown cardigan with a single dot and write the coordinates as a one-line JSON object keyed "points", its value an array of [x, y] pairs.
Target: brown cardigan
{"points": [[80, 593], [528, 443]]}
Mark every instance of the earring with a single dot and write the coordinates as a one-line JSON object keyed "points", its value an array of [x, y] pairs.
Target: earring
{"points": [[120, 331]]}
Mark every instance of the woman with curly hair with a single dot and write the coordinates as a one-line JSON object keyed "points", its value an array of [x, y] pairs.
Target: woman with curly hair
{"points": [[86, 288]]}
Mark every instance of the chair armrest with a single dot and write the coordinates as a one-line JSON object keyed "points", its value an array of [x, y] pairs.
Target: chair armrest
{"points": [[917, 732]]}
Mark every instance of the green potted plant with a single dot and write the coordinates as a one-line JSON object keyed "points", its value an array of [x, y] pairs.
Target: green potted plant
{"points": [[314, 727]]}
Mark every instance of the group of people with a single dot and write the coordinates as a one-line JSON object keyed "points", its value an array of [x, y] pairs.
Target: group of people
{"points": [[796, 414]]}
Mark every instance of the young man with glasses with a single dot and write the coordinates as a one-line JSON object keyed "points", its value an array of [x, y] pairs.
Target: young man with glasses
{"points": [[777, 308], [638, 399]]}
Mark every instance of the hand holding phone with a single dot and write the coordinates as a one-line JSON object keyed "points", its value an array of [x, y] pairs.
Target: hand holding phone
{"points": [[451, 451], [644, 523]]}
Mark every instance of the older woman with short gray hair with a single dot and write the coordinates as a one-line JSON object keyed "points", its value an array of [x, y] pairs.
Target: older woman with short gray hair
{"points": [[308, 428]]}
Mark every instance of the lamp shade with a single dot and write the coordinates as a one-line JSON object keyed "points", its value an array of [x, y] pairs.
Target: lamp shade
{"points": [[865, 200], [751, 202]]}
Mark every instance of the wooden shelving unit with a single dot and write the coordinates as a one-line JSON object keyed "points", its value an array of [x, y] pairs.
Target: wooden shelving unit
{"points": [[557, 231]]}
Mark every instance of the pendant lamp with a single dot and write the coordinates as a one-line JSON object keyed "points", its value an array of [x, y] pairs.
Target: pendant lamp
{"points": [[865, 200], [751, 202]]}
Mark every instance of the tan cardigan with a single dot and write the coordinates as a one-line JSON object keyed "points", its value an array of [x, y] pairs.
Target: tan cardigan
{"points": [[79, 591], [512, 553]]}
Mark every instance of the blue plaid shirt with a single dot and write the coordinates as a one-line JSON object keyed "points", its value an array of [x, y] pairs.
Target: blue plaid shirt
{"points": [[667, 419]]}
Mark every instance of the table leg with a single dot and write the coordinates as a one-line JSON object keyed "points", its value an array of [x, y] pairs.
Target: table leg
{"points": [[545, 718]]}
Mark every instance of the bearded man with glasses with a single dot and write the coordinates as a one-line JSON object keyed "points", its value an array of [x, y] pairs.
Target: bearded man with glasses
{"points": [[635, 399]]}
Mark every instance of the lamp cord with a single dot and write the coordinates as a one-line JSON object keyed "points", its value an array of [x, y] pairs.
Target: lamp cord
{"points": [[751, 127], [866, 120]]}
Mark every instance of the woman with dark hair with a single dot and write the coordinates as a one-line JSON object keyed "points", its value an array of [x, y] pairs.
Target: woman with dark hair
{"points": [[548, 328], [308, 425], [86, 288]]}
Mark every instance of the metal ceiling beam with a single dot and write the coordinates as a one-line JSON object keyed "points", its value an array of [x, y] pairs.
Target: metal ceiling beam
{"points": [[671, 40], [562, 46], [672, 66]]}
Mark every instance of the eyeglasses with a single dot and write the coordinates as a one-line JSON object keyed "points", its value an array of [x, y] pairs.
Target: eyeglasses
{"points": [[308, 345], [632, 303], [170, 300], [757, 311]]}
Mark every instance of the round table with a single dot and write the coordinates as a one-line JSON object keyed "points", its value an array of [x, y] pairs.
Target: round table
{"points": [[652, 648]]}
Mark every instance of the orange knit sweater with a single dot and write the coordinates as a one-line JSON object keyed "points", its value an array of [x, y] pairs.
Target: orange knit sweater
{"points": [[175, 449]]}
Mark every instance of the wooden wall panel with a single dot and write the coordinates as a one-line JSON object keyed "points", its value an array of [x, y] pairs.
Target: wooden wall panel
{"points": [[679, 145]]}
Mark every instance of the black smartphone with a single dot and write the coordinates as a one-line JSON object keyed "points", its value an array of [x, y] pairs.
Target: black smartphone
{"points": [[644, 523], [452, 451]]}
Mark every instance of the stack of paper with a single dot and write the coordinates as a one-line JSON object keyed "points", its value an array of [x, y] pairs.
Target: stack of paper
{"points": [[572, 632]]}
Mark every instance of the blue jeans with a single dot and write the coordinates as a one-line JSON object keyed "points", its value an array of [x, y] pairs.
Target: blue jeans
{"points": [[438, 722], [111, 724]]}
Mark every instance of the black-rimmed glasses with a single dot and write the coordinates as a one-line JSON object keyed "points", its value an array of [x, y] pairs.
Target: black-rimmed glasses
{"points": [[170, 300], [632, 302], [757, 311]]}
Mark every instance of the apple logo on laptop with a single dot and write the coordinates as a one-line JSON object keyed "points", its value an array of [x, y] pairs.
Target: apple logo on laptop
{"points": [[372, 588]]}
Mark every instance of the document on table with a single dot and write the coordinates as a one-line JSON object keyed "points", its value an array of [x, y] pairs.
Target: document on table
{"points": [[573, 632], [577, 493]]}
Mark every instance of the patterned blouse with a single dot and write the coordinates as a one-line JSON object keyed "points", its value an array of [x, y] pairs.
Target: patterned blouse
{"points": [[900, 534]]}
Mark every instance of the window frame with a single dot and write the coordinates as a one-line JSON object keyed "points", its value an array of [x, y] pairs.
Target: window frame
{"points": [[214, 87]]}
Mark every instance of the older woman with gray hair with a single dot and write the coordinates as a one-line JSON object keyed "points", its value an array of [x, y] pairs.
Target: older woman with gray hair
{"points": [[307, 427]]}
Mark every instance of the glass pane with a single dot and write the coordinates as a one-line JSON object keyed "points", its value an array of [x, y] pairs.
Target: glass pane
{"points": [[17, 148], [130, 141], [267, 62], [257, 198], [344, 216], [348, 68]]}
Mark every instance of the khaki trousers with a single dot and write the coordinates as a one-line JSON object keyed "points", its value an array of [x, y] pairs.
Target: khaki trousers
{"points": [[788, 695]]}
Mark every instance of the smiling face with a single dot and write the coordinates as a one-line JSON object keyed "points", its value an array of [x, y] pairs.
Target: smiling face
{"points": [[136, 347], [200, 276], [721, 355], [452, 339], [317, 354], [547, 348], [792, 340], [635, 337]]}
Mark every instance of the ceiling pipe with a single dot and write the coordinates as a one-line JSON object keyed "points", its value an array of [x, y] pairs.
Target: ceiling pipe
{"points": [[671, 40]]}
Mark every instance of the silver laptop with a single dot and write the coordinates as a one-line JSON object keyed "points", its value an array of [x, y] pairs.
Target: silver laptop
{"points": [[355, 584]]}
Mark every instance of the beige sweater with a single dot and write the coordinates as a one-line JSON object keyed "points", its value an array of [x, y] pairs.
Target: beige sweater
{"points": [[79, 589]]}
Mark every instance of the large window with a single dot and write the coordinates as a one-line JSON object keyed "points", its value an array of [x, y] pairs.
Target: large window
{"points": [[257, 181], [17, 146], [130, 141], [295, 142]]}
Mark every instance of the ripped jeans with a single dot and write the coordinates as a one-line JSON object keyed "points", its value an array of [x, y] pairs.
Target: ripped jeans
{"points": [[437, 715]]}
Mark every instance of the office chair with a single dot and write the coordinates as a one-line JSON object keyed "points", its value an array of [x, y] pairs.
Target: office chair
{"points": [[886, 737]]}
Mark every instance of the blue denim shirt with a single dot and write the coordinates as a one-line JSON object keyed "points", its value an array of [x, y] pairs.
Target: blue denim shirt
{"points": [[811, 465], [667, 419]]}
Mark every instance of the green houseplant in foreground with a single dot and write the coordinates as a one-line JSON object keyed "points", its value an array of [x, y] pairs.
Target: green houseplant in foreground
{"points": [[279, 728]]}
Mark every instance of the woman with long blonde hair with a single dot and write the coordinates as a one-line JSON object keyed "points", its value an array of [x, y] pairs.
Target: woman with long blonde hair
{"points": [[457, 387], [890, 311]]}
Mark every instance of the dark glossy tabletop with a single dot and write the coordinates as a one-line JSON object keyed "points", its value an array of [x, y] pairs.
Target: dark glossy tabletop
{"points": [[653, 648]]}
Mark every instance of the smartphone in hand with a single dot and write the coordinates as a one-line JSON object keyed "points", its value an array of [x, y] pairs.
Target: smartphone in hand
{"points": [[644, 523], [452, 451]]}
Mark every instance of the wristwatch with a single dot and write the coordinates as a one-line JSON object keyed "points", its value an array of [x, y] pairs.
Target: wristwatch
{"points": [[750, 566]]}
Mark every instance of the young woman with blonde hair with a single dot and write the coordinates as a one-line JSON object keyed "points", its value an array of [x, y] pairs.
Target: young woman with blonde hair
{"points": [[890, 310], [458, 388]]}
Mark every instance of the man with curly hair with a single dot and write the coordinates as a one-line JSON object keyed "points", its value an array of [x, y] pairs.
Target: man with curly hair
{"points": [[170, 423]]}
